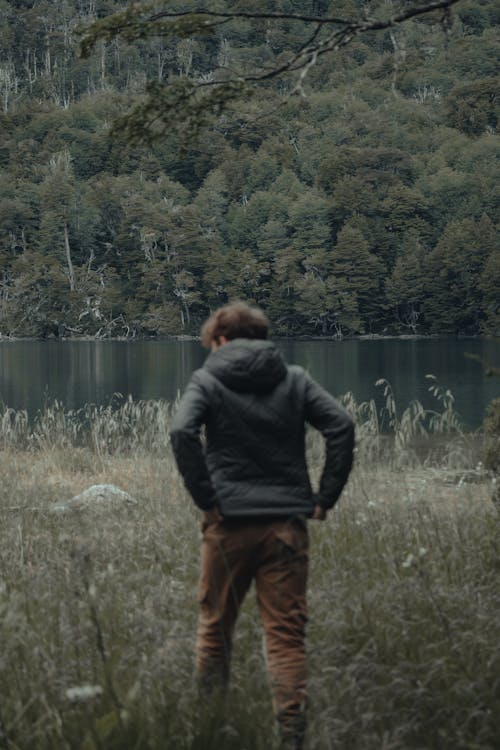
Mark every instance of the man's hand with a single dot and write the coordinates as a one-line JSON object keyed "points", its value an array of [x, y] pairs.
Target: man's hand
{"points": [[319, 513], [211, 516]]}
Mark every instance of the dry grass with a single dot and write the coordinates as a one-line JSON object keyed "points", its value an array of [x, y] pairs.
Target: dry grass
{"points": [[98, 610]]}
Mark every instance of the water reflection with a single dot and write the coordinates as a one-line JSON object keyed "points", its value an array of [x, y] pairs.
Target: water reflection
{"points": [[92, 371]]}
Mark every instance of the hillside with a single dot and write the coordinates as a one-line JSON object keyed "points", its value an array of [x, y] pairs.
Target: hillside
{"points": [[364, 203]]}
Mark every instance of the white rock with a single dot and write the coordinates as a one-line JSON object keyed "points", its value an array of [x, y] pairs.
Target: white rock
{"points": [[98, 495]]}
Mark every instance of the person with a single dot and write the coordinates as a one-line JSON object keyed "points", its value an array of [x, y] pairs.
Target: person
{"points": [[249, 477]]}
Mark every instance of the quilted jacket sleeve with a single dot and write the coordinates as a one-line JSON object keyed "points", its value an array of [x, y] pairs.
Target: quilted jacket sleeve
{"points": [[324, 413], [187, 446]]}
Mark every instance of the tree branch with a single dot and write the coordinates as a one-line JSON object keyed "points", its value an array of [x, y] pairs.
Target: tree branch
{"points": [[259, 16], [186, 106], [251, 16]]}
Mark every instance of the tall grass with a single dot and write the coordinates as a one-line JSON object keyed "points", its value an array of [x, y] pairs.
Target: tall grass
{"points": [[127, 426], [116, 428], [98, 608]]}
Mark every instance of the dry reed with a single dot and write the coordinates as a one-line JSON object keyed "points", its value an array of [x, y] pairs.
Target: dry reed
{"points": [[98, 610]]}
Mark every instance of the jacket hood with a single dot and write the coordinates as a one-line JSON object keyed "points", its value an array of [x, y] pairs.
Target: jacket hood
{"points": [[247, 365]]}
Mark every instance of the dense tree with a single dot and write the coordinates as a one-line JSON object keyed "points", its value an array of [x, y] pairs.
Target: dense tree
{"points": [[405, 288], [453, 269], [352, 190], [489, 284], [474, 107], [358, 273]]}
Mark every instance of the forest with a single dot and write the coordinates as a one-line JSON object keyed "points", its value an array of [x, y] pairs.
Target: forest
{"points": [[361, 198]]}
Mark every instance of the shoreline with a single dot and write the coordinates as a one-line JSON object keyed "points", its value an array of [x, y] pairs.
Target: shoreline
{"points": [[301, 337]]}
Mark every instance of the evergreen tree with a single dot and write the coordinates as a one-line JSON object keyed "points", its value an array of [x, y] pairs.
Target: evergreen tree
{"points": [[405, 287], [453, 269], [359, 273]]}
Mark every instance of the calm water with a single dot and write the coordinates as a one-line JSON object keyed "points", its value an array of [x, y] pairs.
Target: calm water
{"points": [[92, 371]]}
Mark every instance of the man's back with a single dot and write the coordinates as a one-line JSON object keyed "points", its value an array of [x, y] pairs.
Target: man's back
{"points": [[255, 409]]}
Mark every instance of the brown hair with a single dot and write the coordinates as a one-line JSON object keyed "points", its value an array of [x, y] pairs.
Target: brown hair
{"points": [[237, 320]]}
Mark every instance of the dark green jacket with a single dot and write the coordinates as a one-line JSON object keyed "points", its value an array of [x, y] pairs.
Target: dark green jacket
{"points": [[254, 408]]}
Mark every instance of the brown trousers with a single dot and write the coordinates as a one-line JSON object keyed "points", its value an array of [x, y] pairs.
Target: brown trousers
{"points": [[275, 555]]}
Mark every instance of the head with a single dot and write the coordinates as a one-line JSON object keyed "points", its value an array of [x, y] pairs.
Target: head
{"points": [[237, 320]]}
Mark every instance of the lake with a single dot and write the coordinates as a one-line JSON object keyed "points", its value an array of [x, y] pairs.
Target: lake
{"points": [[77, 372]]}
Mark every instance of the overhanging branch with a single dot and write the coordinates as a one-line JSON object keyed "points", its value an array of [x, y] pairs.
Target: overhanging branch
{"points": [[304, 18], [186, 106]]}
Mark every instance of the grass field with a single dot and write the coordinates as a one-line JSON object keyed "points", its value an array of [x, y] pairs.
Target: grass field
{"points": [[98, 607]]}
